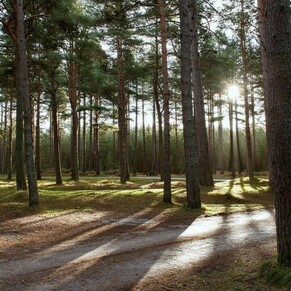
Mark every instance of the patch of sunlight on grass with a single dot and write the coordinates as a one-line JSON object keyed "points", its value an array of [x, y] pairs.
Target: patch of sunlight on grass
{"points": [[105, 193], [214, 209]]}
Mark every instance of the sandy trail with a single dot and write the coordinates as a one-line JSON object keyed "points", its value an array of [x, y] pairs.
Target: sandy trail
{"points": [[141, 250]]}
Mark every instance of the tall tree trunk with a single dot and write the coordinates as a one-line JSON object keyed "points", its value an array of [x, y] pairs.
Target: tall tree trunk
{"points": [[262, 29], [154, 142], [144, 149], [96, 139], [72, 68], [37, 131], [176, 161], [135, 151], [122, 109], [4, 139], [190, 149], [277, 40], [220, 138], [166, 98], [55, 128], [27, 111], [19, 150], [9, 142], [245, 92], [90, 154], [239, 159], [254, 151], [84, 131], [231, 149], [211, 132], [158, 106], [205, 173]]}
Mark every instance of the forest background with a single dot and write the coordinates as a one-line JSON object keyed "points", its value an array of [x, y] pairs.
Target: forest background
{"points": [[73, 57]]}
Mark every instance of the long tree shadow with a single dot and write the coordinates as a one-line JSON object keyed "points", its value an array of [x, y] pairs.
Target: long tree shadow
{"points": [[107, 237], [88, 258]]}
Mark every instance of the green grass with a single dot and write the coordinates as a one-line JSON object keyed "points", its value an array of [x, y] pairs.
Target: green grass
{"points": [[107, 194], [276, 274]]}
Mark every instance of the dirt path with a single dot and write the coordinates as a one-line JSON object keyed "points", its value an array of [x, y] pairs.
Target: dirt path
{"points": [[96, 252]]}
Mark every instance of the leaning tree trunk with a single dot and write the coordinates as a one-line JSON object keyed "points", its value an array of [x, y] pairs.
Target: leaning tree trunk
{"points": [[277, 40], [205, 173], [27, 111], [166, 98], [190, 150]]}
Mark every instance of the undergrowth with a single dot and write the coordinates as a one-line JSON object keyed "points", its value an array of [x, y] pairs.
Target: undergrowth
{"points": [[276, 274]]}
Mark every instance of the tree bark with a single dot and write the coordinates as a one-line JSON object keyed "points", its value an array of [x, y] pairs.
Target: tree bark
{"points": [[144, 149], [135, 151], [122, 108], [190, 149], [74, 100], [205, 173], [9, 142], [239, 159], [96, 139], [245, 93], [27, 111], [220, 138], [55, 128], [263, 37], [166, 98], [231, 147], [277, 40], [37, 131], [19, 144]]}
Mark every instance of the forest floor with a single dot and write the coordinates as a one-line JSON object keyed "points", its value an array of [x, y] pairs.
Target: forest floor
{"points": [[148, 250]]}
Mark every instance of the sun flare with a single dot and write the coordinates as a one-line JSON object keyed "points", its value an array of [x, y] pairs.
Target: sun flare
{"points": [[233, 91]]}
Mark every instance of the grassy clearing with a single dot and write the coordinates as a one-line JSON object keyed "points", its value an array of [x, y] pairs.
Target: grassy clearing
{"points": [[93, 194]]}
